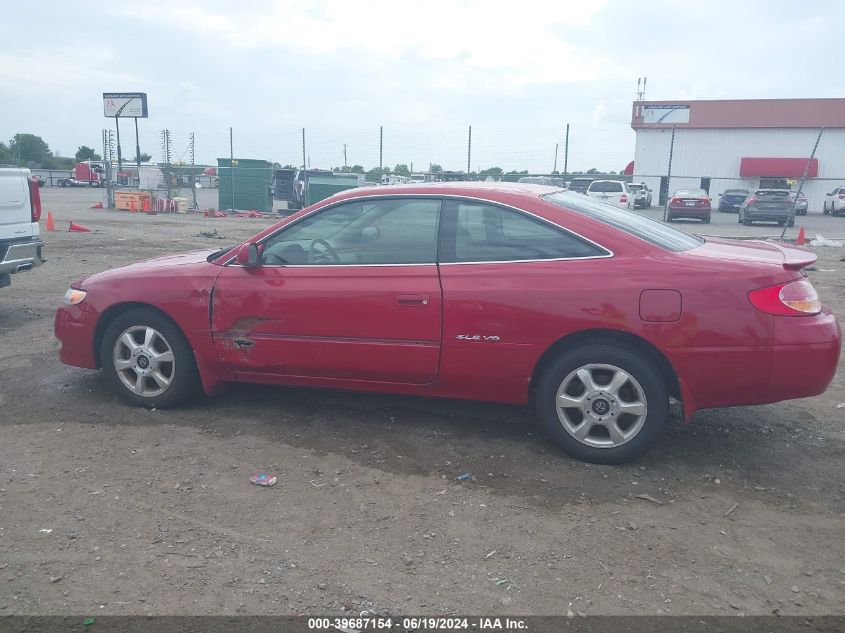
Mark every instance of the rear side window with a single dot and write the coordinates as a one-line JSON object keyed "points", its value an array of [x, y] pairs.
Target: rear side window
{"points": [[656, 233], [606, 187], [487, 233]]}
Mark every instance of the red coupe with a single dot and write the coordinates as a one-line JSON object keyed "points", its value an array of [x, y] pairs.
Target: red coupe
{"points": [[507, 293]]}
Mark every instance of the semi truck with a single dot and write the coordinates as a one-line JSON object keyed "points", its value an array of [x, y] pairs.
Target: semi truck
{"points": [[86, 173]]}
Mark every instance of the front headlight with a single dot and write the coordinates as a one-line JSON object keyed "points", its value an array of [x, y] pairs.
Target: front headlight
{"points": [[74, 296]]}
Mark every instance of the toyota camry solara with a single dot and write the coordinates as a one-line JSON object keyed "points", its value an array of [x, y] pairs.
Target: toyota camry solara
{"points": [[506, 293]]}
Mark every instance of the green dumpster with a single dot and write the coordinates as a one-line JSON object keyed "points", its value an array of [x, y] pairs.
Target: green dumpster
{"points": [[320, 186], [245, 184]]}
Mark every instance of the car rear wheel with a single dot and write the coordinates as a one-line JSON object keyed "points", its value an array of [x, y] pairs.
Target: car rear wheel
{"points": [[147, 360], [790, 222], [746, 222], [706, 220], [603, 403]]}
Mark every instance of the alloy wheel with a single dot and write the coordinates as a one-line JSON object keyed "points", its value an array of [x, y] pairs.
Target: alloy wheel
{"points": [[601, 406], [144, 361]]}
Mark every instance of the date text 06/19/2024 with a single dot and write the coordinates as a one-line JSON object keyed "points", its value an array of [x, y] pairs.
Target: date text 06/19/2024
{"points": [[375, 623]]}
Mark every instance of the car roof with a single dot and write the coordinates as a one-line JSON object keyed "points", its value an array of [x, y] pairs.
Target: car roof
{"points": [[460, 188]]}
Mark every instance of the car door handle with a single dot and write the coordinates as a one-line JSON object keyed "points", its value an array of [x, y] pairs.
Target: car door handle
{"points": [[412, 300]]}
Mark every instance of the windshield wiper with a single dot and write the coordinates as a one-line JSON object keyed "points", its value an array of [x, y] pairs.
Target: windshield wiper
{"points": [[217, 254]]}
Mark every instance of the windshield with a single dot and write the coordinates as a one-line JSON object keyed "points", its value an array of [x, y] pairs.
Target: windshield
{"points": [[637, 225]]}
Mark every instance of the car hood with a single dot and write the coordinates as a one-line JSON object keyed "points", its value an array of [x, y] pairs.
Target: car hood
{"points": [[188, 264]]}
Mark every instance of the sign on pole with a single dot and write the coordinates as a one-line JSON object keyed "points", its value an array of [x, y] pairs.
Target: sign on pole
{"points": [[132, 105]]}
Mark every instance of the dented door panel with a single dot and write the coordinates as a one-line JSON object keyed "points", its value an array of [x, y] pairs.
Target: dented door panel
{"points": [[376, 323]]}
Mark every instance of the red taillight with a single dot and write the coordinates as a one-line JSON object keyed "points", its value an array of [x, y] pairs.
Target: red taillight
{"points": [[751, 201], [794, 298], [623, 199], [675, 201], [703, 202], [34, 199], [842, 196]]}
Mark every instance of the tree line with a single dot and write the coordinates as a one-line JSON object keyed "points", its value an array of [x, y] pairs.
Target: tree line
{"points": [[30, 150]]}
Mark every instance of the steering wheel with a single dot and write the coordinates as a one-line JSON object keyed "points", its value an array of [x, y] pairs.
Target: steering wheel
{"points": [[312, 251]]}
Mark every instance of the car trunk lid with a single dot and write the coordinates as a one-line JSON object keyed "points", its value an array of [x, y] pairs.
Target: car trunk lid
{"points": [[777, 253]]}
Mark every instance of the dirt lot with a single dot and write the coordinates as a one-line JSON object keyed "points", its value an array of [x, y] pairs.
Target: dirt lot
{"points": [[107, 509]]}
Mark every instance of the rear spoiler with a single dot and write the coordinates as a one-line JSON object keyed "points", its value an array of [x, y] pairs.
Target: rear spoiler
{"points": [[794, 257]]}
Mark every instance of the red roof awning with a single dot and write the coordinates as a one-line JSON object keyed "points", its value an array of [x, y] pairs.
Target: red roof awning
{"points": [[778, 167], [629, 169]]}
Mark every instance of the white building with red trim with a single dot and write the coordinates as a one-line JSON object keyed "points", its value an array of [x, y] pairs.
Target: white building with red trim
{"points": [[739, 144]]}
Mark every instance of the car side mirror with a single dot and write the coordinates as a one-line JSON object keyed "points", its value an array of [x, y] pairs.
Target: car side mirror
{"points": [[369, 233], [249, 255]]}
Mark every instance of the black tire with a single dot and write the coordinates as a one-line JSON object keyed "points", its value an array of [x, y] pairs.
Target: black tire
{"points": [[746, 222], [185, 381], [706, 220], [824, 208], [649, 378]]}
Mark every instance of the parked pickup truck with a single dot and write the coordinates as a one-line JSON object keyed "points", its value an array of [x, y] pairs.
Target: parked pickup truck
{"points": [[20, 211]]}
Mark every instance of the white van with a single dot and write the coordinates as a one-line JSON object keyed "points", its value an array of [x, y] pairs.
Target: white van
{"points": [[20, 212], [613, 192]]}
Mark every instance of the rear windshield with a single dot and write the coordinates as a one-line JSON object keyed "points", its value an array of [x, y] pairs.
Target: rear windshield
{"points": [[764, 193], [736, 192], [691, 193], [635, 187], [606, 186], [656, 233]]}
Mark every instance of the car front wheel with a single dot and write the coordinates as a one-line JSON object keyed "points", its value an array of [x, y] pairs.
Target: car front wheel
{"points": [[603, 403], [147, 360]]}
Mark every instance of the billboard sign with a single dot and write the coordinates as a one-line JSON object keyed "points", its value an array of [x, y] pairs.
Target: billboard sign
{"points": [[666, 114], [125, 104]]}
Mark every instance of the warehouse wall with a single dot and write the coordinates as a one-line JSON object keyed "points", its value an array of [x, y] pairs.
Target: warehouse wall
{"points": [[715, 154]]}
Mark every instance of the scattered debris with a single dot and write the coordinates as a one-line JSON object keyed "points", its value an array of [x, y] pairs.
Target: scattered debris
{"points": [[647, 497], [489, 555], [212, 234], [46, 530], [795, 588], [88, 621], [821, 240], [841, 405], [56, 578], [464, 477], [767, 579], [731, 509], [263, 480]]}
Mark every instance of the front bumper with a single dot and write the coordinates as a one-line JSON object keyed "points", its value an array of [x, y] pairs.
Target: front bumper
{"points": [[17, 257], [74, 326]]}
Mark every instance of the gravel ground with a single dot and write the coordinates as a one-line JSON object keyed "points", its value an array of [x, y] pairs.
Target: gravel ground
{"points": [[106, 509]]}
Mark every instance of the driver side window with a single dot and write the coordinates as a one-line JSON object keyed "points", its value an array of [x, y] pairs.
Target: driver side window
{"points": [[364, 231]]}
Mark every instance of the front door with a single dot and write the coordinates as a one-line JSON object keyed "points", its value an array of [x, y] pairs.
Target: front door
{"points": [[349, 292]]}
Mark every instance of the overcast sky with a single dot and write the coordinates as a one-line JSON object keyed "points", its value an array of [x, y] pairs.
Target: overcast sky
{"points": [[516, 71]]}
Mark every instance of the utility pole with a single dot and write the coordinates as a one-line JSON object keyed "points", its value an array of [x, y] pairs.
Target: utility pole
{"points": [[192, 178], [137, 152], [380, 147], [554, 169], [566, 154], [669, 170], [791, 219], [232, 165], [344, 157], [469, 150], [303, 149]]}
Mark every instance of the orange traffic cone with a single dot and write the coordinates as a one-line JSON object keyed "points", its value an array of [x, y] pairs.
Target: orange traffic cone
{"points": [[97, 205], [133, 208], [78, 228], [801, 239], [51, 223], [146, 205]]}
